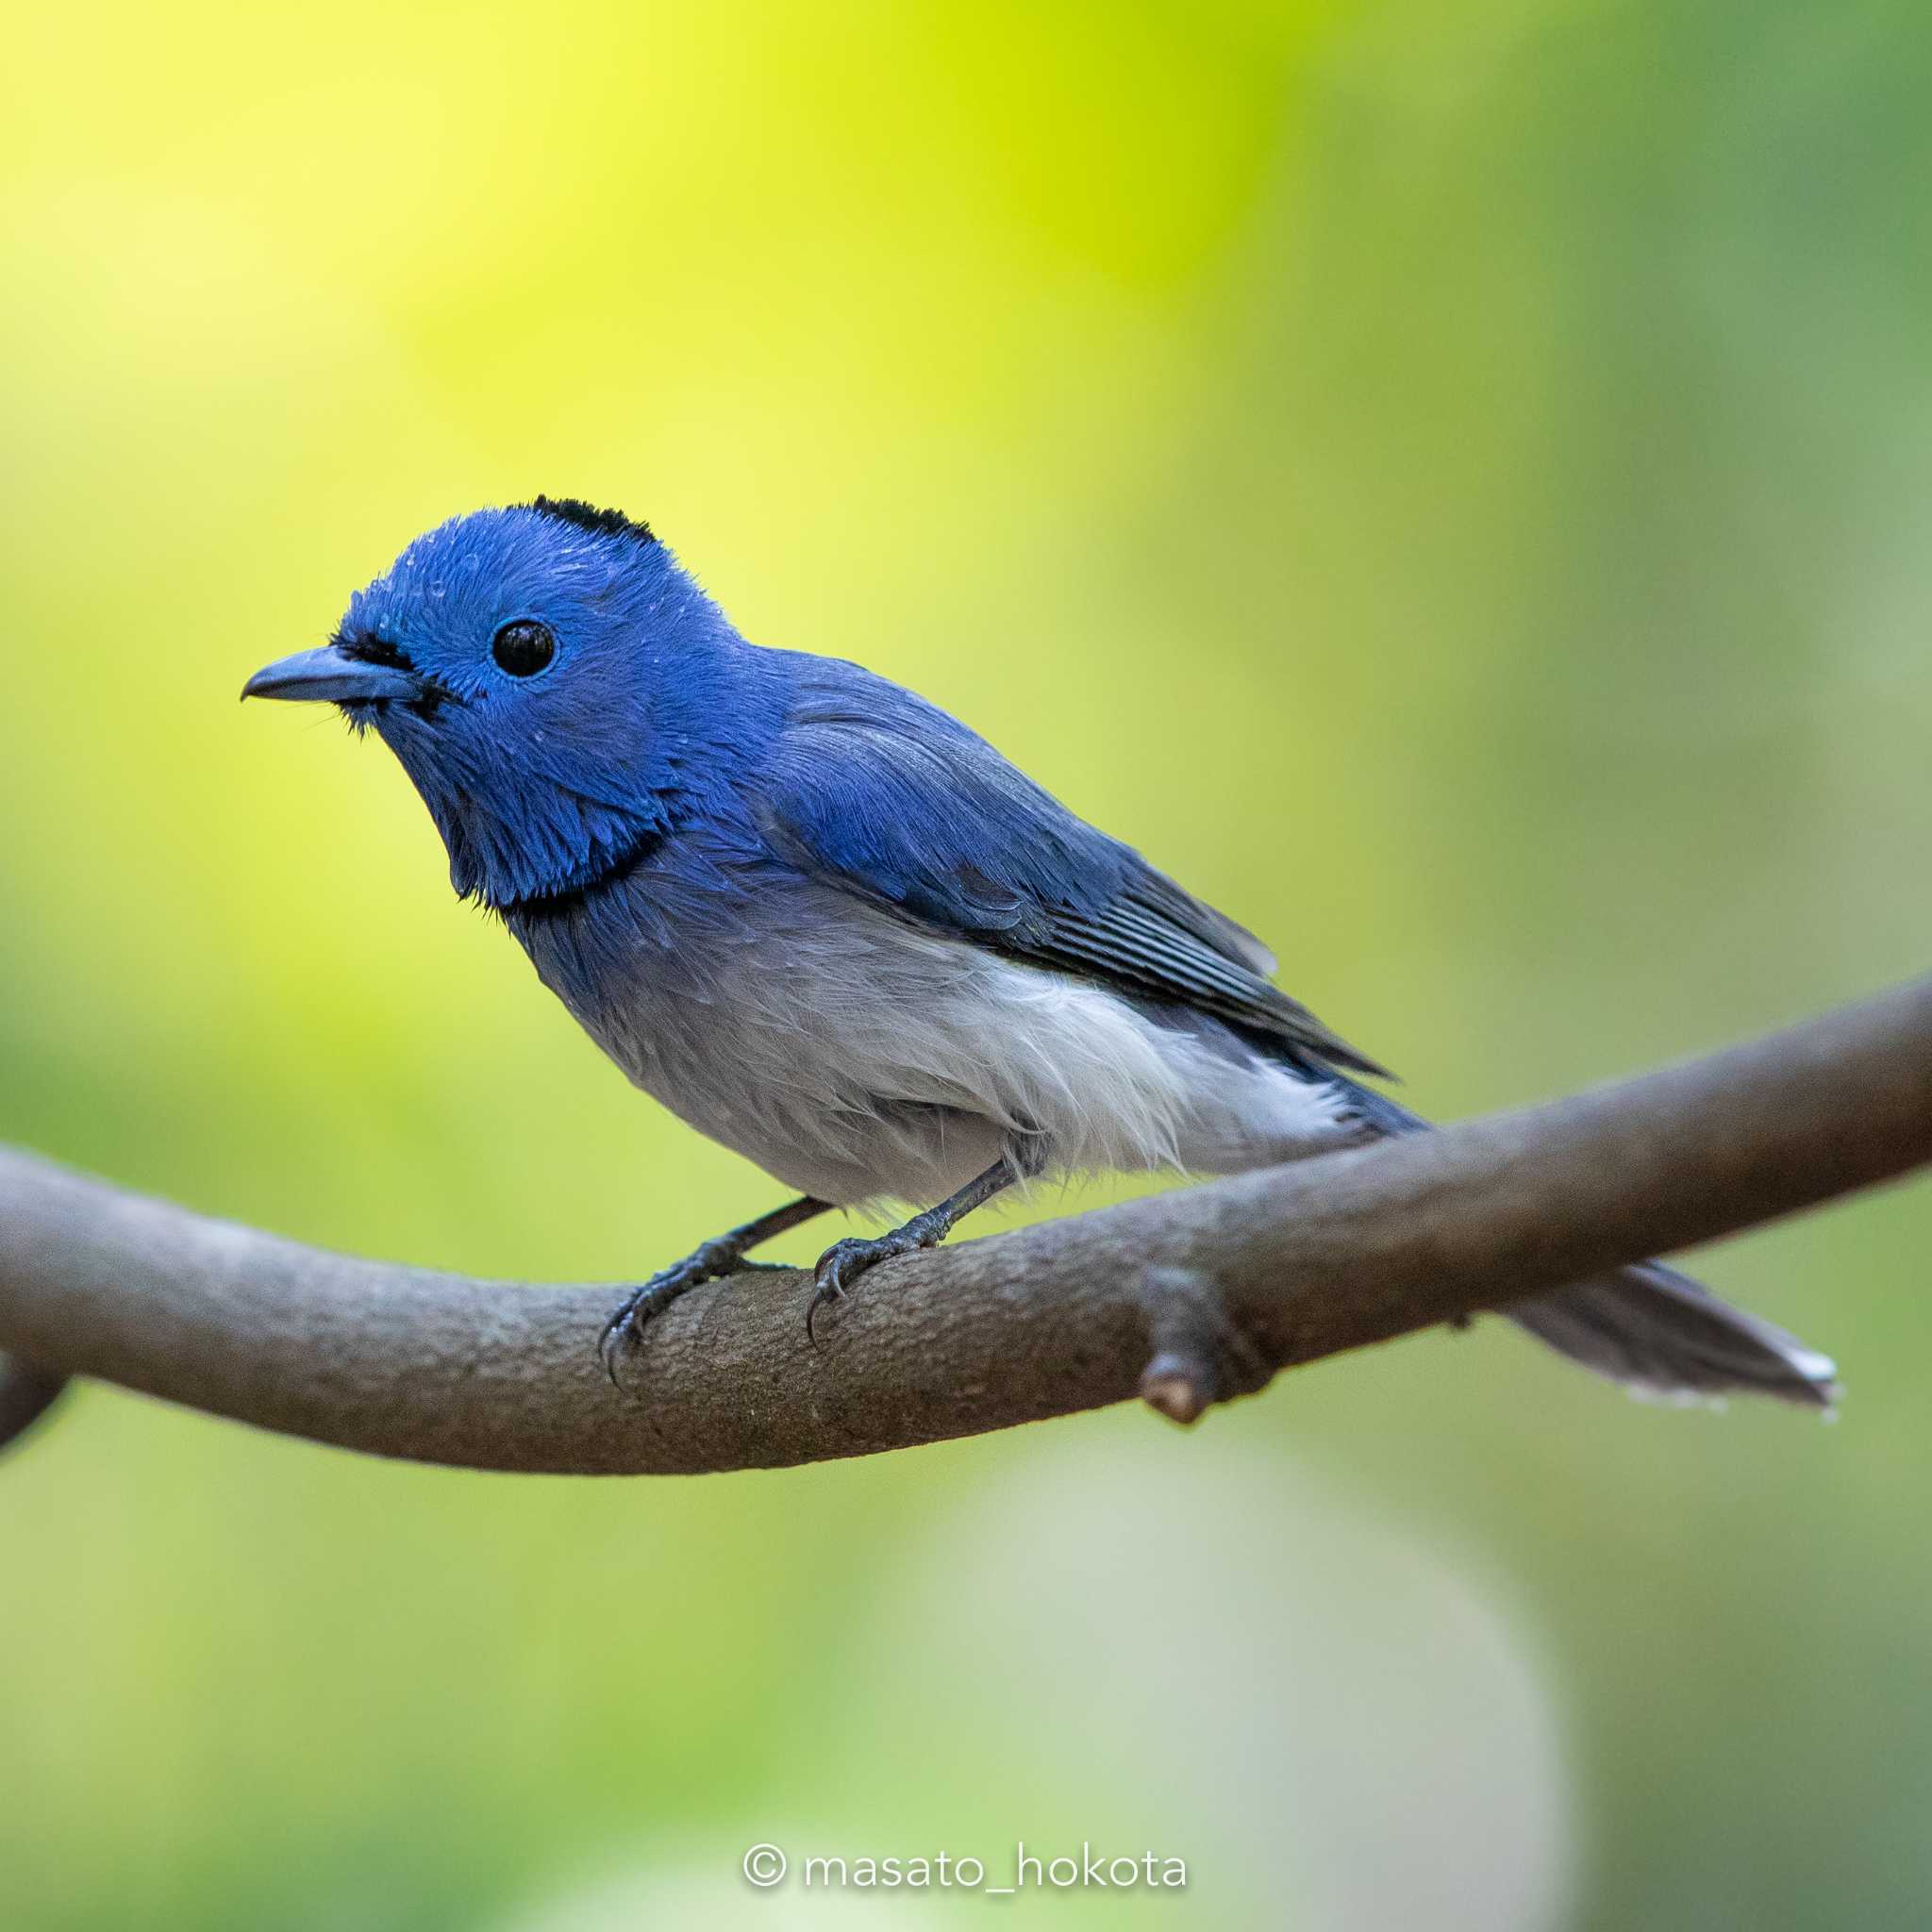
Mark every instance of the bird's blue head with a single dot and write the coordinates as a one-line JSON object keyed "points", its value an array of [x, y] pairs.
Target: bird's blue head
{"points": [[556, 685]]}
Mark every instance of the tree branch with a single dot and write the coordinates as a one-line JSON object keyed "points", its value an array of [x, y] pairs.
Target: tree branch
{"points": [[1203, 1290]]}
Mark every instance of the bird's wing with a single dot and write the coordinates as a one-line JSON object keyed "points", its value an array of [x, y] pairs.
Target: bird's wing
{"points": [[901, 803]]}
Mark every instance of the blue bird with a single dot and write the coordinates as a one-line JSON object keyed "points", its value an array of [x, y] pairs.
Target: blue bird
{"points": [[829, 926]]}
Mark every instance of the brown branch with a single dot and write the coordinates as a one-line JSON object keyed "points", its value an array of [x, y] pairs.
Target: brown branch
{"points": [[1205, 1291]]}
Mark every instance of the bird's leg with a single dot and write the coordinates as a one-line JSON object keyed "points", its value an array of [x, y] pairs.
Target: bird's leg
{"points": [[719, 1255], [843, 1263]]}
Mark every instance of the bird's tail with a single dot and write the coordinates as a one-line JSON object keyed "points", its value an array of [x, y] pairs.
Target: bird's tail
{"points": [[26, 1393], [1649, 1327]]}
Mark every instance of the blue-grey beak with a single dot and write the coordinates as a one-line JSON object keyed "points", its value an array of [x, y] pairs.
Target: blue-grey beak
{"points": [[329, 674]]}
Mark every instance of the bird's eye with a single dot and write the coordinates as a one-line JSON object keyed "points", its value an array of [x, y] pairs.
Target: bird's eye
{"points": [[524, 647]]}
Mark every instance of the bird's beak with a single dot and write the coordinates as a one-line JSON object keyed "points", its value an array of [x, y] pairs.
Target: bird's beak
{"points": [[329, 674]]}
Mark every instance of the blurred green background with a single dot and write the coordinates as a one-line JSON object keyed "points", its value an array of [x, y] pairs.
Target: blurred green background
{"points": [[1450, 482]]}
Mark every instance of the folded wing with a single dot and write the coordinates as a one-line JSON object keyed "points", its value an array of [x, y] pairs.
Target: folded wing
{"points": [[884, 793]]}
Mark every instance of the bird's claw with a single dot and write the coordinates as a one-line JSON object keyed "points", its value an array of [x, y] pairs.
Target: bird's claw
{"points": [[819, 1297], [845, 1262], [626, 1328]]}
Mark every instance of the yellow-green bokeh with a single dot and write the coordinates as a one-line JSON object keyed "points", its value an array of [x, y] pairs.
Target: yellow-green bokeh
{"points": [[1448, 481]]}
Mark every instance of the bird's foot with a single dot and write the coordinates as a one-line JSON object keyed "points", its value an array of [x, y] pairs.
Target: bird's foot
{"points": [[626, 1328], [843, 1263]]}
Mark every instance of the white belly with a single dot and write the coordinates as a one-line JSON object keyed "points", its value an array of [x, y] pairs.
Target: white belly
{"points": [[860, 1060]]}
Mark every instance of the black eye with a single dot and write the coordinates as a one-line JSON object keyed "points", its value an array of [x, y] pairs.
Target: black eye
{"points": [[524, 647]]}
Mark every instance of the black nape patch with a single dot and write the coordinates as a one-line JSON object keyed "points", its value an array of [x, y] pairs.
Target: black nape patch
{"points": [[587, 516]]}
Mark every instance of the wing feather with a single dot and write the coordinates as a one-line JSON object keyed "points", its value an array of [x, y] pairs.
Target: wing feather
{"points": [[899, 802]]}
